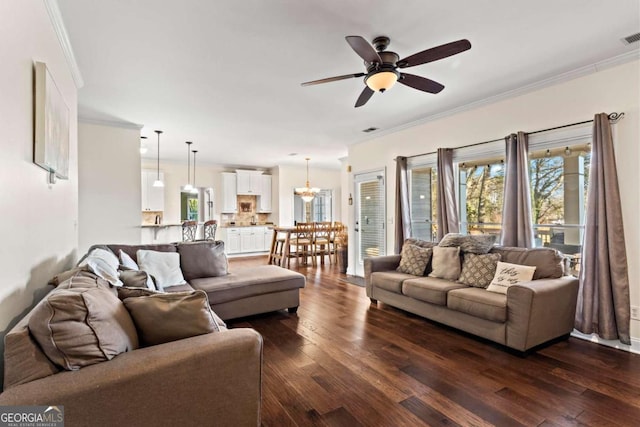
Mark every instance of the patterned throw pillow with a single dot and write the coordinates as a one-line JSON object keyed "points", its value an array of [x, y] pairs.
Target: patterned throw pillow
{"points": [[510, 274], [473, 244], [414, 259], [478, 270]]}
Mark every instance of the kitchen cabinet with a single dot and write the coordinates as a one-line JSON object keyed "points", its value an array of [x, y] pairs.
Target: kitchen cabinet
{"points": [[264, 199], [229, 202], [267, 236], [249, 182], [231, 238], [245, 239], [152, 197]]}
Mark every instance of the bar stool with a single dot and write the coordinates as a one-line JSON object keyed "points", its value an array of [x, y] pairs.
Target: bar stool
{"points": [[210, 228], [279, 252], [189, 229]]}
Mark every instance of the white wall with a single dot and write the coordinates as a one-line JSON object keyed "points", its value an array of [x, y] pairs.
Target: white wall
{"points": [[614, 89], [290, 177], [38, 225], [109, 185]]}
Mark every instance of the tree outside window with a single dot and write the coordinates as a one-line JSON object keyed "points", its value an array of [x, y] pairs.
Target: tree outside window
{"points": [[481, 196]]}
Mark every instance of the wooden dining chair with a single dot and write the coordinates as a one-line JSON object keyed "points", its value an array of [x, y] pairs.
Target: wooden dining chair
{"points": [[301, 242], [189, 229], [336, 229], [322, 241]]}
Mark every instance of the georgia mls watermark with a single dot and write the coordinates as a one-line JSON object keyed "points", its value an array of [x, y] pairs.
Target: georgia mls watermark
{"points": [[31, 416]]}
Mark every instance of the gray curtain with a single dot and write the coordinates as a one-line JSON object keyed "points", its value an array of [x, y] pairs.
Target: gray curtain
{"points": [[403, 213], [447, 204], [517, 226], [603, 299]]}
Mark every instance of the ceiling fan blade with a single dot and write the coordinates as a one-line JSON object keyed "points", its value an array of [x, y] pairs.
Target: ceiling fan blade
{"points": [[332, 79], [420, 83], [435, 53], [364, 49], [364, 96]]}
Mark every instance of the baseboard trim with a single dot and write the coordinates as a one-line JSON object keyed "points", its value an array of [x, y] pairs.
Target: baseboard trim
{"points": [[633, 348]]}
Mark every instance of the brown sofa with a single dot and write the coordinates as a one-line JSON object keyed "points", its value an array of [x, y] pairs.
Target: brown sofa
{"points": [[242, 292], [531, 313], [208, 379]]}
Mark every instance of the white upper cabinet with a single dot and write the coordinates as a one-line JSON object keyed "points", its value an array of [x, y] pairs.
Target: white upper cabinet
{"points": [[152, 197], [249, 182], [229, 202], [264, 200]]}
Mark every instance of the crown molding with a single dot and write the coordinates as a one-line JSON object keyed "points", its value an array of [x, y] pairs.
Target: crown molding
{"points": [[540, 84], [110, 123], [63, 38]]}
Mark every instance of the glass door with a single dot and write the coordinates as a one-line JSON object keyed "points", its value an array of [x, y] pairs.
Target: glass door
{"points": [[370, 217]]}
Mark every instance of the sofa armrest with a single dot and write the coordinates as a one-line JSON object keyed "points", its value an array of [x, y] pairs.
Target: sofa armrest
{"points": [[195, 381], [378, 263], [540, 310]]}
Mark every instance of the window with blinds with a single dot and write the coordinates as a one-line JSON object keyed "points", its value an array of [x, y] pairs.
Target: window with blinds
{"points": [[422, 196], [371, 218]]}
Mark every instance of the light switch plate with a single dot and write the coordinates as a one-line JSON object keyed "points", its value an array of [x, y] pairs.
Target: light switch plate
{"points": [[635, 312]]}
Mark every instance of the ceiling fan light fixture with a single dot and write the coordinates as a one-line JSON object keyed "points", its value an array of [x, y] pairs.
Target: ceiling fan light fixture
{"points": [[382, 80]]}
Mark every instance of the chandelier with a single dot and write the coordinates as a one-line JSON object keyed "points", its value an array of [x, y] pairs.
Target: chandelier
{"points": [[307, 193]]}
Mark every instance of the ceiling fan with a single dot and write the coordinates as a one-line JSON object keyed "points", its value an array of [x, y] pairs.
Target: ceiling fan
{"points": [[382, 66]]}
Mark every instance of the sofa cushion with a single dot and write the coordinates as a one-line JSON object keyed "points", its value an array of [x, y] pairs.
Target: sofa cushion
{"points": [[478, 270], [203, 259], [249, 282], [390, 280], [474, 244], [509, 274], [137, 279], [61, 277], [414, 259], [479, 302], [77, 327], [429, 289], [132, 250], [163, 266], [445, 263], [166, 317], [86, 279], [549, 262]]}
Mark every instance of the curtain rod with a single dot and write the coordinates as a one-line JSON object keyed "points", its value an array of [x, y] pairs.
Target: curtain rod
{"points": [[613, 118]]}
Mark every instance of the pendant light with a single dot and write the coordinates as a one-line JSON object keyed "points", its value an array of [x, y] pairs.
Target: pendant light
{"points": [[307, 193], [188, 187], [143, 145], [194, 189], [158, 182]]}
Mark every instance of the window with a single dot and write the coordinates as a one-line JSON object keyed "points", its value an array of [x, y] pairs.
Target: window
{"points": [[317, 210], [422, 199], [558, 178], [481, 195]]}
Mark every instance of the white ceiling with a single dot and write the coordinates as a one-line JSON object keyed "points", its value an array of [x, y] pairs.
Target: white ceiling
{"points": [[226, 74]]}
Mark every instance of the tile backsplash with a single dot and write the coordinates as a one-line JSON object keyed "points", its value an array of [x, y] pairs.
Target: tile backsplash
{"points": [[152, 217], [247, 206]]}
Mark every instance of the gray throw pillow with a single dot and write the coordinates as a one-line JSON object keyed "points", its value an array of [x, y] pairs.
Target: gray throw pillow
{"points": [[478, 270], [78, 327], [474, 244], [414, 259], [166, 317], [445, 263], [203, 259]]}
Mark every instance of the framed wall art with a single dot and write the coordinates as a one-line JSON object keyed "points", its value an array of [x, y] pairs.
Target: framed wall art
{"points": [[51, 131]]}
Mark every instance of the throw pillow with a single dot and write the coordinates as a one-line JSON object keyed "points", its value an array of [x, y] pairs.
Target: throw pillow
{"points": [[474, 244], [102, 263], [510, 274], [127, 261], [478, 270], [445, 263], [79, 327], [64, 276], [163, 266], [414, 259], [421, 243], [166, 317], [203, 259]]}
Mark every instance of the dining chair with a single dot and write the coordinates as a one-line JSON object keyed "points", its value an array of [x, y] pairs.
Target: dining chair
{"points": [[336, 229], [189, 229], [210, 228], [302, 242], [322, 241]]}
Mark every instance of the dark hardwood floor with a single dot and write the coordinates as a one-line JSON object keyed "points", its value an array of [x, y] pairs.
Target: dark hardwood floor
{"points": [[343, 362]]}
